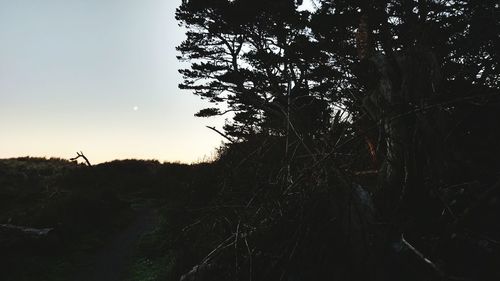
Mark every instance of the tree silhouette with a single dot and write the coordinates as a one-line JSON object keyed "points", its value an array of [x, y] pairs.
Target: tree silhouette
{"points": [[388, 105], [256, 57]]}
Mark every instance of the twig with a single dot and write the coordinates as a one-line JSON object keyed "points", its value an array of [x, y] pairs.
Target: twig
{"points": [[222, 134], [220, 246], [250, 258], [191, 225], [422, 257], [236, 245]]}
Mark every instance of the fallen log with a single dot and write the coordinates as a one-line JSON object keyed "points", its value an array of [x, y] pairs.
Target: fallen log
{"points": [[9, 230]]}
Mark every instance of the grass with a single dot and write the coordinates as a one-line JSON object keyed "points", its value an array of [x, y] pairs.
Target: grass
{"points": [[151, 261]]}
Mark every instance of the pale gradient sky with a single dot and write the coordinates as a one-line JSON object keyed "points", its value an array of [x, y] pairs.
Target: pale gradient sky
{"points": [[98, 76]]}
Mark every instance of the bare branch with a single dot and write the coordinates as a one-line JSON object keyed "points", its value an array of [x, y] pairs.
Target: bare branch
{"points": [[422, 257], [222, 134], [80, 154]]}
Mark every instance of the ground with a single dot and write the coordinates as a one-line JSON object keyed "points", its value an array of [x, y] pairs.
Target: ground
{"points": [[112, 262]]}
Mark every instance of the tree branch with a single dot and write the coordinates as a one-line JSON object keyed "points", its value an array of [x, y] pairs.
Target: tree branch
{"points": [[80, 154], [222, 134]]}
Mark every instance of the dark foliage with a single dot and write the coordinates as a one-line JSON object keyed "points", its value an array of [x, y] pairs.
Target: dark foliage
{"points": [[84, 207], [366, 138]]}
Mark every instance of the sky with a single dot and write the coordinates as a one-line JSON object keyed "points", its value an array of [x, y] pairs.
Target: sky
{"points": [[98, 76]]}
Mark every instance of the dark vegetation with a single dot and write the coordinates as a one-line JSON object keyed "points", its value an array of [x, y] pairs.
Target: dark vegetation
{"points": [[85, 208], [363, 145]]}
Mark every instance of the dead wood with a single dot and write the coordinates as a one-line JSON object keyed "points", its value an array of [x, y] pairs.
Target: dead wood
{"points": [[80, 154], [13, 234]]}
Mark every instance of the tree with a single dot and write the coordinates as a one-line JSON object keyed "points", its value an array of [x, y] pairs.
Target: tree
{"points": [[420, 64], [257, 58], [419, 82]]}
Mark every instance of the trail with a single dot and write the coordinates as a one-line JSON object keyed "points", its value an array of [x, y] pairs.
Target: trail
{"points": [[111, 263]]}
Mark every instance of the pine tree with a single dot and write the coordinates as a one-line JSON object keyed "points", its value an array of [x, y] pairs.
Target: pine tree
{"points": [[258, 59]]}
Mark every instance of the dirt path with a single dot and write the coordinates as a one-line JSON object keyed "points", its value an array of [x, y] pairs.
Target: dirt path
{"points": [[111, 263]]}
